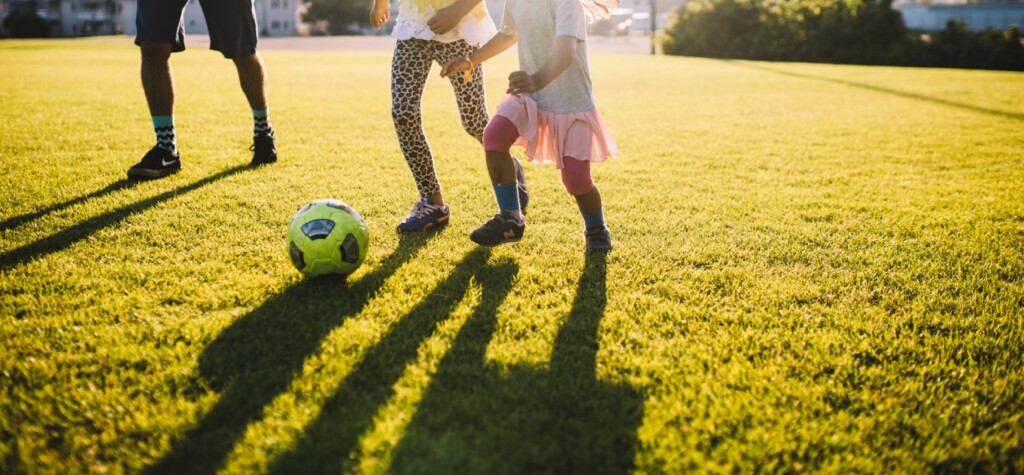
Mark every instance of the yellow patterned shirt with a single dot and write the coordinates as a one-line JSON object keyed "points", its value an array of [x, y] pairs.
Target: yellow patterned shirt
{"points": [[476, 27]]}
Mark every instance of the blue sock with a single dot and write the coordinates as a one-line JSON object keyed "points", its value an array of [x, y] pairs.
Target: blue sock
{"points": [[595, 220], [508, 199], [261, 123], [163, 125]]}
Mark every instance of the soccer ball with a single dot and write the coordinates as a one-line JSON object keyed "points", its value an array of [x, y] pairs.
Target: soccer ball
{"points": [[327, 237]]}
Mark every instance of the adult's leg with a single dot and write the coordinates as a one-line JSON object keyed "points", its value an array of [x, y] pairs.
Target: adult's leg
{"points": [[252, 74], [158, 77], [158, 85], [160, 32]]}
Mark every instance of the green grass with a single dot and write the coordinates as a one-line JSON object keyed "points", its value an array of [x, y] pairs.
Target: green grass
{"points": [[816, 268]]}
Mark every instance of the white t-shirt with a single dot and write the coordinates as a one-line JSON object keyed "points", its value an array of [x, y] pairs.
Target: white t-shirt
{"points": [[476, 27], [538, 23]]}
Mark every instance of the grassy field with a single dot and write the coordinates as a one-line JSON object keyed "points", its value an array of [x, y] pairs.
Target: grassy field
{"points": [[817, 268]]}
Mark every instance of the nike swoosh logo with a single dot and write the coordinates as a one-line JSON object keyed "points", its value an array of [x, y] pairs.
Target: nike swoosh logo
{"points": [[165, 162]]}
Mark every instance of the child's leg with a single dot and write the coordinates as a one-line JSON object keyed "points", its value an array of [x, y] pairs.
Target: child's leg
{"points": [[409, 69], [468, 94], [508, 225], [498, 138], [578, 182], [577, 179]]}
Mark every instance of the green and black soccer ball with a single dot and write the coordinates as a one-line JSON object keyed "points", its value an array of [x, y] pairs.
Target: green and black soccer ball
{"points": [[327, 237]]}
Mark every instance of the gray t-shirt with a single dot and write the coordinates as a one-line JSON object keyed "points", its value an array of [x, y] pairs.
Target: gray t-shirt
{"points": [[538, 23]]}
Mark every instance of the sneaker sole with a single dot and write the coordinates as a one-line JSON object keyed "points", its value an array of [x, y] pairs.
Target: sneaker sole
{"points": [[507, 241], [145, 173]]}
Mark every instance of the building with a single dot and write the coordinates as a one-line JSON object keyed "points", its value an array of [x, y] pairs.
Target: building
{"points": [[977, 16], [274, 17], [71, 17], [113, 17]]}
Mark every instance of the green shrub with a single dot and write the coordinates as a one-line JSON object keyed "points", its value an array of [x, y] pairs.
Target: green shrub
{"points": [[832, 31], [957, 47]]}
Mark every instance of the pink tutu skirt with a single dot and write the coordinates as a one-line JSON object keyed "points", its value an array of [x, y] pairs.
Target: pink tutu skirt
{"points": [[546, 137]]}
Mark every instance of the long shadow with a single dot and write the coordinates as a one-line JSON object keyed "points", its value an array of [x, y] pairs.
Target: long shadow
{"points": [[257, 357], [64, 239], [869, 87], [479, 418], [17, 221], [327, 442]]}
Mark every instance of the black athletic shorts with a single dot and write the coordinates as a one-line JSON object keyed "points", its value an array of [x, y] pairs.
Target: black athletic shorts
{"points": [[232, 24]]}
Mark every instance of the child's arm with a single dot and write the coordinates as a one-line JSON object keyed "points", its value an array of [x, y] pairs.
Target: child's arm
{"points": [[521, 82], [449, 17], [380, 13], [500, 42]]}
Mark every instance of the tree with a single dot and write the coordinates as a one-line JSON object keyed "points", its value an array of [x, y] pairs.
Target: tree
{"points": [[24, 22], [342, 16]]}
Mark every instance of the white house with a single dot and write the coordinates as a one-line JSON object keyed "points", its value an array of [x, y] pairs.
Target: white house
{"points": [[274, 17], [110, 17], [977, 16]]}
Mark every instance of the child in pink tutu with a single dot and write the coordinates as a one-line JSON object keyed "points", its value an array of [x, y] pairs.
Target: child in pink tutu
{"points": [[549, 109]]}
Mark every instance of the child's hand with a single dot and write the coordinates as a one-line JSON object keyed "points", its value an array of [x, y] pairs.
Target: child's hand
{"points": [[445, 19], [380, 13], [455, 66], [520, 82]]}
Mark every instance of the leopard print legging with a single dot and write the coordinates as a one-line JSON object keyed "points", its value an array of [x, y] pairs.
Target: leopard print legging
{"points": [[409, 69]]}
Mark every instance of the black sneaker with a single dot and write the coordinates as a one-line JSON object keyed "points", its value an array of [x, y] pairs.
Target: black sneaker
{"points": [[598, 239], [524, 194], [158, 163], [263, 150], [500, 229]]}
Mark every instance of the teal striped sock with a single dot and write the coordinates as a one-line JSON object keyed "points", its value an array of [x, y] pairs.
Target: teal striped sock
{"points": [[595, 220], [508, 200], [163, 126], [261, 123]]}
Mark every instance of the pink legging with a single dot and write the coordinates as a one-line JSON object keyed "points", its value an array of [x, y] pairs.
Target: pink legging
{"points": [[501, 133]]}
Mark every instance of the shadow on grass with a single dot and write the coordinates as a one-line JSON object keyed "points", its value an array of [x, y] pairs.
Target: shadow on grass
{"points": [[479, 418], [869, 87], [64, 239], [327, 442], [257, 357], [17, 221]]}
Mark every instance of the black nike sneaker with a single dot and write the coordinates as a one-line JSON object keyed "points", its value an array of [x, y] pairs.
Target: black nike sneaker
{"points": [[500, 229], [263, 150], [158, 163]]}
